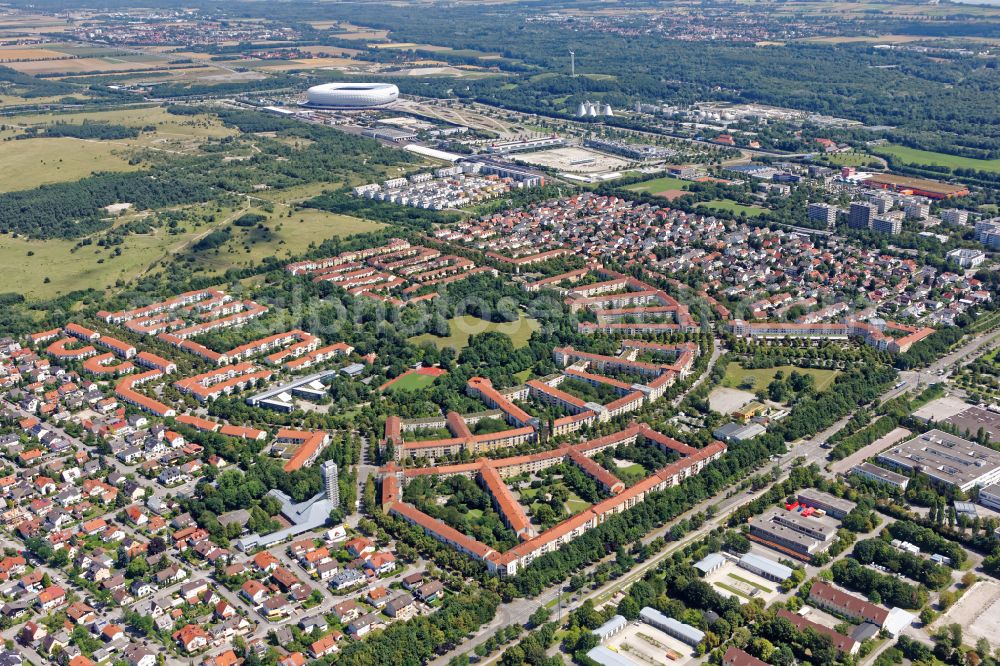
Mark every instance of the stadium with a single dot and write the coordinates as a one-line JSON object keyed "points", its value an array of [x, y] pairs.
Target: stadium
{"points": [[351, 95]]}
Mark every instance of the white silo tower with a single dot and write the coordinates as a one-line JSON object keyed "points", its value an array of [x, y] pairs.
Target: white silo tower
{"points": [[607, 111], [581, 110], [592, 110]]}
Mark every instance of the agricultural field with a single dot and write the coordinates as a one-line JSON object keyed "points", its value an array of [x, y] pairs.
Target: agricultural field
{"points": [[733, 207], [464, 327], [736, 375], [914, 156]]}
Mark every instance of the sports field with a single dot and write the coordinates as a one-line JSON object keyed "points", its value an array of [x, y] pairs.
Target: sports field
{"points": [[736, 374], [413, 380], [464, 327], [914, 156], [659, 185], [733, 207]]}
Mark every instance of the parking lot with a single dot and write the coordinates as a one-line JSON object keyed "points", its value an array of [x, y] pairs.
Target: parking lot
{"points": [[977, 612], [573, 160]]}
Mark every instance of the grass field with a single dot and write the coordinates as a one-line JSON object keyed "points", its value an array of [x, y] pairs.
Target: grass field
{"points": [[28, 163], [659, 185], [87, 267], [914, 156], [286, 237], [735, 374], [733, 207], [464, 327], [850, 158]]}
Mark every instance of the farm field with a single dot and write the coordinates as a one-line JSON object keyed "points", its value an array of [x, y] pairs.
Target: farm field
{"points": [[464, 327], [736, 374], [733, 207], [914, 156]]}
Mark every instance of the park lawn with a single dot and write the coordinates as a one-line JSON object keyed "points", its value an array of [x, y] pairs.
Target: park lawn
{"points": [[735, 374], [733, 207], [632, 470], [914, 156], [28, 163], [575, 505], [659, 185], [464, 327], [412, 382], [523, 376]]}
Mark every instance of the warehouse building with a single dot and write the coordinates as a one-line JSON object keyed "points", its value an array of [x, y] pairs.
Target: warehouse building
{"points": [[611, 627], [765, 568], [671, 627]]}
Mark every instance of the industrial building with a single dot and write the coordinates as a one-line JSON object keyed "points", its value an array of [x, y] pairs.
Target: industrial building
{"points": [[876, 473], [990, 496], [833, 506], [738, 432], [946, 459], [789, 532]]}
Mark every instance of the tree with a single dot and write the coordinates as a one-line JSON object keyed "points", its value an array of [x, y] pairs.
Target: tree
{"points": [[629, 608], [761, 648], [539, 617]]}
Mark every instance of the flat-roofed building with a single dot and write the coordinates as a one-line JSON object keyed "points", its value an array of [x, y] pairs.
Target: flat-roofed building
{"points": [[833, 506], [990, 496], [608, 657], [796, 536], [946, 459], [876, 473], [710, 563]]}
